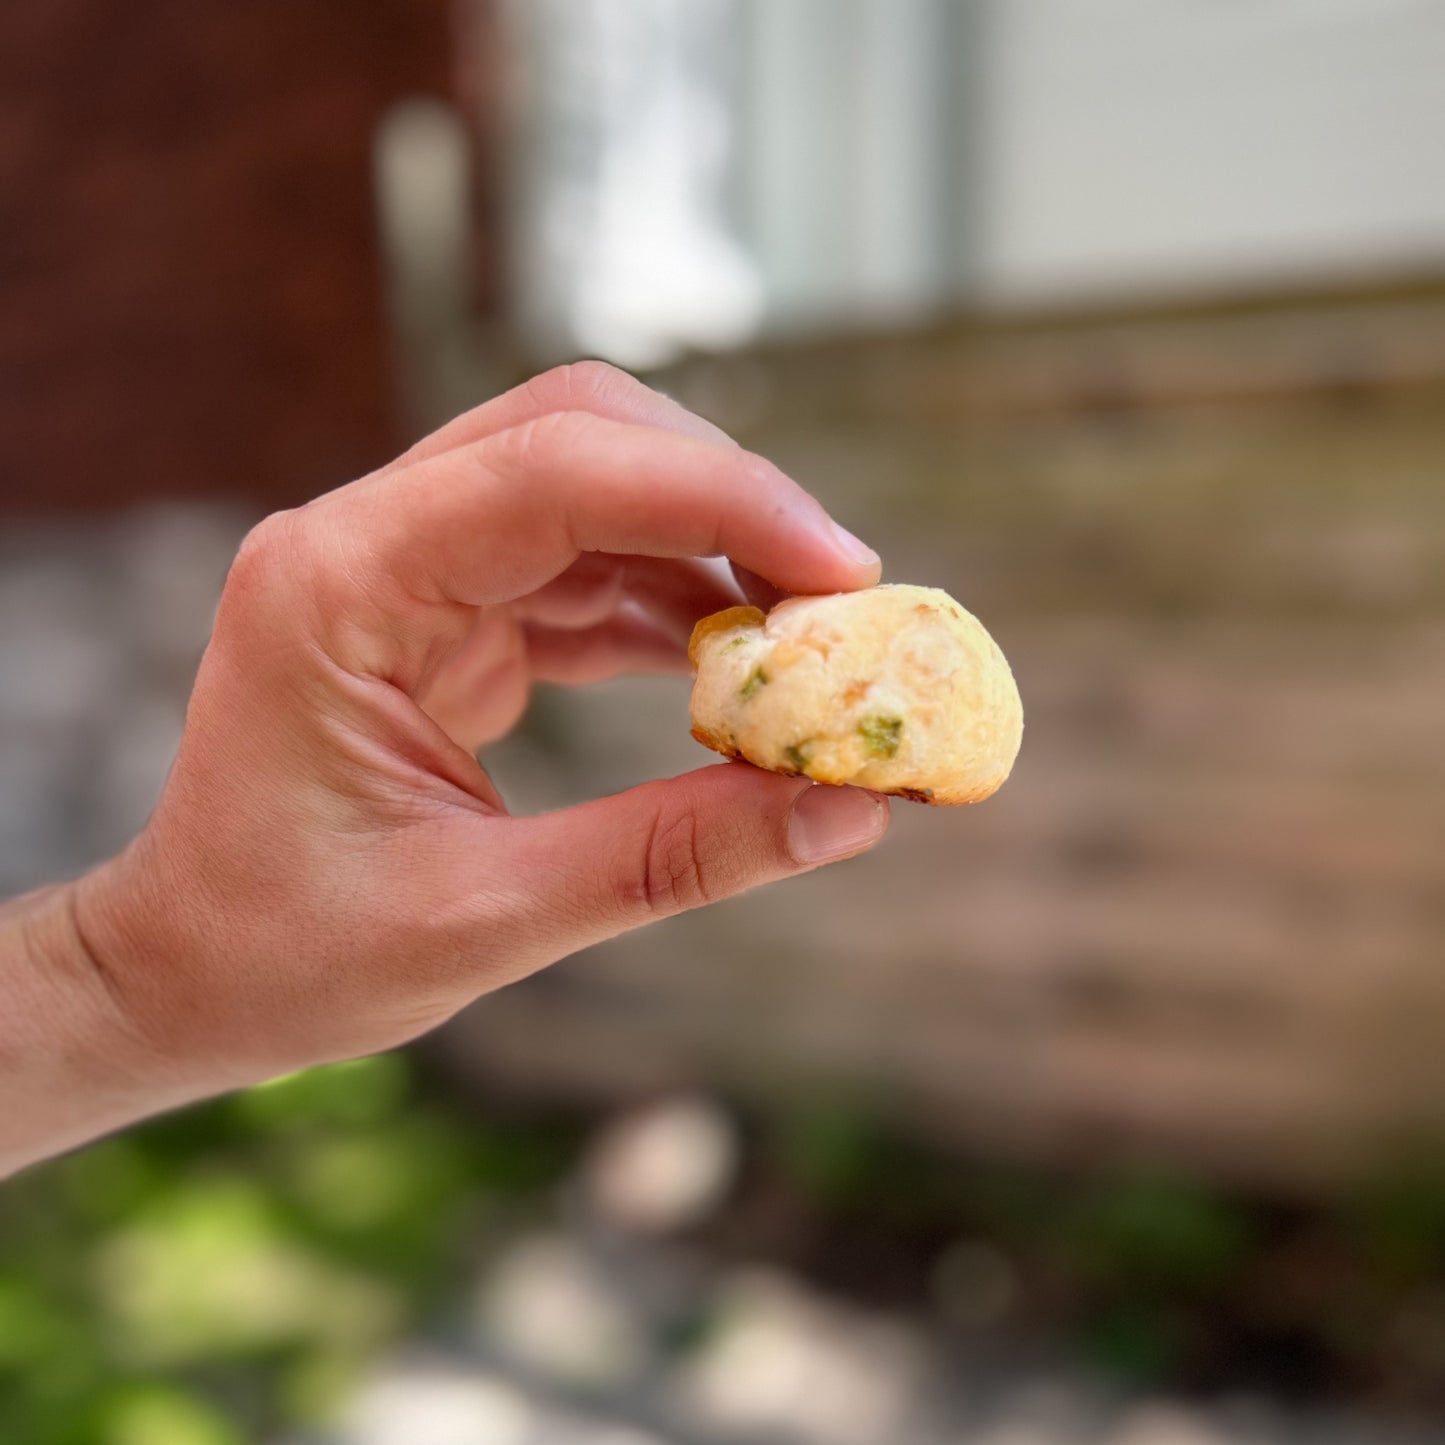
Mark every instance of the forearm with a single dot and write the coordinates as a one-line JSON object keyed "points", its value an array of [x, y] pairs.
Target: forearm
{"points": [[73, 1062]]}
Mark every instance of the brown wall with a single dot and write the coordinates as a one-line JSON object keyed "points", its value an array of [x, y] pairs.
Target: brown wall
{"points": [[189, 297]]}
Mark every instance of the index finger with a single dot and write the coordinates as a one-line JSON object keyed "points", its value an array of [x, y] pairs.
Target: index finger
{"points": [[592, 386], [492, 522]]}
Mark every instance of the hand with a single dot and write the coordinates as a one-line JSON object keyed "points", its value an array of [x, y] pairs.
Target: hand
{"points": [[329, 870]]}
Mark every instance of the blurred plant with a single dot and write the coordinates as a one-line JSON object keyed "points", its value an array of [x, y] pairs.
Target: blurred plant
{"points": [[1399, 1221], [1147, 1276], [1155, 1256], [841, 1148], [1151, 1234], [832, 1145], [1135, 1345], [231, 1269]]}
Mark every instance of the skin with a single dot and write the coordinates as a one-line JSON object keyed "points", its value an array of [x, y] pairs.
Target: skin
{"points": [[329, 870]]}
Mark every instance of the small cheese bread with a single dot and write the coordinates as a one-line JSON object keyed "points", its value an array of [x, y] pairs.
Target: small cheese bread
{"points": [[894, 688]]}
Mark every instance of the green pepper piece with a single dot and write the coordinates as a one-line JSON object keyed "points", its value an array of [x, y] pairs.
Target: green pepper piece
{"points": [[757, 678], [881, 734]]}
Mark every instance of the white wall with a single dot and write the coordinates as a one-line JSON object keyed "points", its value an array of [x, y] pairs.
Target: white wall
{"points": [[1141, 145], [848, 181], [691, 171]]}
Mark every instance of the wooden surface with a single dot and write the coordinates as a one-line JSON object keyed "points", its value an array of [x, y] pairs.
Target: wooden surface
{"points": [[1205, 920]]}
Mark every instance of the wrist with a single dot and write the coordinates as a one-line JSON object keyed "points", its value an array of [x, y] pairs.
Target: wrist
{"points": [[79, 1056], [68, 1060]]}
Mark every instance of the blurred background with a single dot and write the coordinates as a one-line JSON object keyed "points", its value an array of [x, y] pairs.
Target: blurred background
{"points": [[1111, 1111]]}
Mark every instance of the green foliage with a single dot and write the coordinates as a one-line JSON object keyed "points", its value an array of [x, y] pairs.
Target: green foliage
{"points": [[145, 1414], [1131, 1344], [831, 1145], [1152, 1234], [227, 1271], [1399, 1222]]}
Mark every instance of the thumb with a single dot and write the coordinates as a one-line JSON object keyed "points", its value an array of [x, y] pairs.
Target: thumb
{"points": [[660, 849]]}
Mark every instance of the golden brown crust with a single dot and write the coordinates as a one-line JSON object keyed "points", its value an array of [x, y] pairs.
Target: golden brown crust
{"points": [[919, 795], [724, 621], [717, 744]]}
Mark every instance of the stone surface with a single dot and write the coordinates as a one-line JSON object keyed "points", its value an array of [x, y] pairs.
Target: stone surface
{"points": [[662, 1167]]}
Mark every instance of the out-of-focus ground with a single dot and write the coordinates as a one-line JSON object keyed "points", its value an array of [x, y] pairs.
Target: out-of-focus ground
{"points": [[1198, 933]]}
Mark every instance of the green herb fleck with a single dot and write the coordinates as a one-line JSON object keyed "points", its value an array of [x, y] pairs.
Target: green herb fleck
{"points": [[881, 734], [796, 757], [756, 678], [736, 642]]}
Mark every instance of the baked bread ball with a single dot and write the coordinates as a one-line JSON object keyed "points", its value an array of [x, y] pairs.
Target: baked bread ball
{"points": [[894, 688]]}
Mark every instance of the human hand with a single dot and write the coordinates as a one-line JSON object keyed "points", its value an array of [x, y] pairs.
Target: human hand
{"points": [[329, 870]]}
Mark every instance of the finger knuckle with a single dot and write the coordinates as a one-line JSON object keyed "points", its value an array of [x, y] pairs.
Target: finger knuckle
{"points": [[673, 877], [283, 582], [587, 384], [537, 444], [259, 544], [263, 556]]}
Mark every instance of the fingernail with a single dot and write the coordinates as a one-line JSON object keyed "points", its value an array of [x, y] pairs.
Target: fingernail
{"points": [[829, 822], [855, 549]]}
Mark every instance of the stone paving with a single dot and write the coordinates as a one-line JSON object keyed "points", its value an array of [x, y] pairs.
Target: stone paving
{"points": [[571, 1337]]}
